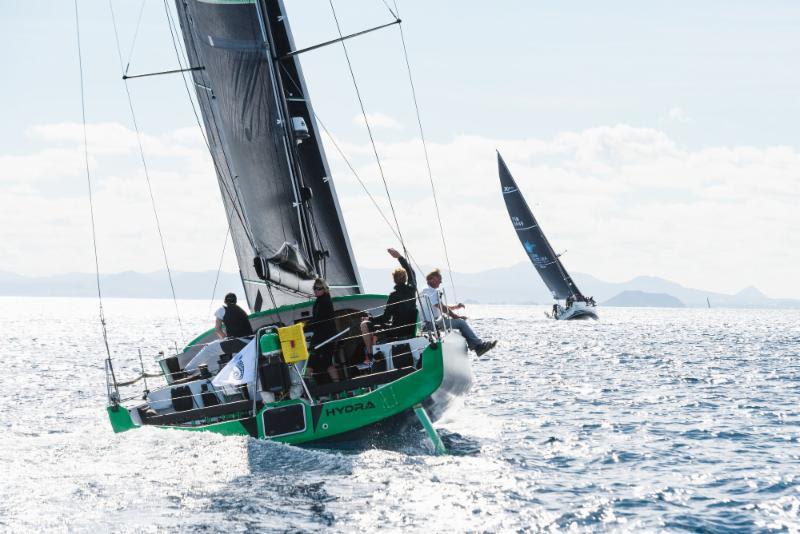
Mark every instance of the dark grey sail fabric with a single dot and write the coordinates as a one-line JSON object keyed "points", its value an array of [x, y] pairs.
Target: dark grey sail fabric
{"points": [[533, 240], [282, 209]]}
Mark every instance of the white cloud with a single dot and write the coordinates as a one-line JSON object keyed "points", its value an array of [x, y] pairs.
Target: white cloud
{"points": [[25, 169], [103, 138], [678, 115], [377, 121], [44, 215], [624, 201]]}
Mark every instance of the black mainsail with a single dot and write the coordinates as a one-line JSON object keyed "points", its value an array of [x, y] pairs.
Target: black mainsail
{"points": [[281, 205], [533, 240]]}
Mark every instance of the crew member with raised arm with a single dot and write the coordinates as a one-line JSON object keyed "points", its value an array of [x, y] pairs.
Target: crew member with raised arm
{"points": [[399, 318]]}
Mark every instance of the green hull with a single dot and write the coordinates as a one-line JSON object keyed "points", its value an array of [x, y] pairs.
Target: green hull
{"points": [[339, 416], [331, 418], [445, 374]]}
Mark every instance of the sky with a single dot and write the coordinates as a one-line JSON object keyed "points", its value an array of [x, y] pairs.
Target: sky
{"points": [[655, 140]]}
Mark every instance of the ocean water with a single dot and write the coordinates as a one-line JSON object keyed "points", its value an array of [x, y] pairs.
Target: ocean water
{"points": [[647, 420]]}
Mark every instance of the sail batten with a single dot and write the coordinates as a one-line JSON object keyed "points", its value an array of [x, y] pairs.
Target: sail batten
{"points": [[536, 245], [284, 218]]}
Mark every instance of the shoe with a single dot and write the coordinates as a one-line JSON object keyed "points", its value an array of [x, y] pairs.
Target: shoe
{"points": [[485, 347]]}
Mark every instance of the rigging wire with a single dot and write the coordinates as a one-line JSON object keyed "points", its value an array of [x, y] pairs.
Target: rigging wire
{"points": [[372, 142], [393, 13], [234, 199], [91, 200], [135, 36], [364, 186], [344, 157], [366, 190], [181, 53], [424, 147], [274, 303], [369, 129], [185, 57], [219, 269], [147, 176]]}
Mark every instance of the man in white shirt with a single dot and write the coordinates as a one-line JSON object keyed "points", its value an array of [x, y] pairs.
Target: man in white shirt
{"points": [[433, 310]]}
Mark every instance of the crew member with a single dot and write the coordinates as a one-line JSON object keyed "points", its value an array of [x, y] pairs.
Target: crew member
{"points": [[233, 319], [433, 310]]}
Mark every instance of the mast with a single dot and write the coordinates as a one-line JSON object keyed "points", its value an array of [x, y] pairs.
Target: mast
{"points": [[314, 173], [290, 141]]}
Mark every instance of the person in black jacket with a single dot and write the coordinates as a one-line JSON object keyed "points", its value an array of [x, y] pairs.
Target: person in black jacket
{"points": [[233, 318], [399, 318], [232, 325], [323, 326]]}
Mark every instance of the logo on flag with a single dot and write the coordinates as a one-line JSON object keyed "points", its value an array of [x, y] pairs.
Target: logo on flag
{"points": [[240, 370]]}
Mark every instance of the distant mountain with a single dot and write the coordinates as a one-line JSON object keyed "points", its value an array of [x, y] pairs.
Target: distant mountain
{"points": [[749, 297], [518, 284], [642, 299], [188, 285]]}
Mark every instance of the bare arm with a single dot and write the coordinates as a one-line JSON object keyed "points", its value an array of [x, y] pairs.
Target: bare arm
{"points": [[448, 310], [412, 277], [218, 329]]}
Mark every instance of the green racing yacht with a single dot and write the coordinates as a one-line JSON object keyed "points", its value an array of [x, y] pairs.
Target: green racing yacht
{"points": [[287, 229]]}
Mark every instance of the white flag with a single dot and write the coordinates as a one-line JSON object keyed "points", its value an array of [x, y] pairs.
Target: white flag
{"points": [[240, 370]]}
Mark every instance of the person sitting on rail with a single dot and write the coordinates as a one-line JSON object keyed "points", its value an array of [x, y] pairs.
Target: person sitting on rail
{"points": [[433, 310], [233, 319], [235, 322], [399, 318]]}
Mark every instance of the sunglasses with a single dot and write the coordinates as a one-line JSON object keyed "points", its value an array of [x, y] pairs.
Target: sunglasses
{"points": [[317, 288]]}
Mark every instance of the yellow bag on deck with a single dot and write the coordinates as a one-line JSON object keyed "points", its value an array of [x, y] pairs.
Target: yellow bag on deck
{"points": [[293, 343]]}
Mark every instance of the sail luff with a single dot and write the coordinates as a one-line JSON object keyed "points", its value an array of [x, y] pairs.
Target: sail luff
{"points": [[530, 234]]}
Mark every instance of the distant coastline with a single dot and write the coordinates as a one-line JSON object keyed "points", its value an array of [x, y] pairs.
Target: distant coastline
{"points": [[518, 284], [643, 299]]}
